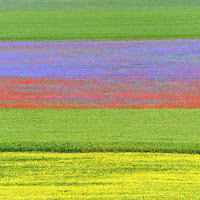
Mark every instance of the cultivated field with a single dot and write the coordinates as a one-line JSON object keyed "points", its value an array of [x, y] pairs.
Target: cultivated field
{"points": [[57, 140], [100, 74], [160, 130], [99, 20], [99, 176]]}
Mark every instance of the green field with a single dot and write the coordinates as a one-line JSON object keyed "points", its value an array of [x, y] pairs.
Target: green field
{"points": [[153, 130], [127, 176], [99, 20]]}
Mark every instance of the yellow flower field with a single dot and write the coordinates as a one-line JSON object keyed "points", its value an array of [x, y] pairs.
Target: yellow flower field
{"points": [[99, 176]]}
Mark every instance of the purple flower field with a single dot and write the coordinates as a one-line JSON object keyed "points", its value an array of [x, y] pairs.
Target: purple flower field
{"points": [[100, 74]]}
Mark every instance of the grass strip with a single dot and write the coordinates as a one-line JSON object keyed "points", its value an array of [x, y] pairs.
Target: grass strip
{"points": [[153, 130], [99, 20]]}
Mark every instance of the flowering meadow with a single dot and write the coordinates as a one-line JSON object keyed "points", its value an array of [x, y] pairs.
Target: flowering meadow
{"points": [[99, 176], [100, 74], [99, 99]]}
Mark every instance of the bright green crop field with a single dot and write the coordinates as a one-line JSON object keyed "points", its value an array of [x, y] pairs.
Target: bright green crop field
{"points": [[99, 19], [127, 176], [153, 130]]}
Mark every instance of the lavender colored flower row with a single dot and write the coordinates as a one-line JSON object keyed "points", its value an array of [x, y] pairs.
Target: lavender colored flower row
{"points": [[156, 60], [100, 74]]}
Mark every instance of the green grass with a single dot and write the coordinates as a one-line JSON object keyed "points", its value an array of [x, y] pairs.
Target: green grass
{"points": [[99, 176], [99, 20], [162, 130], [33, 5]]}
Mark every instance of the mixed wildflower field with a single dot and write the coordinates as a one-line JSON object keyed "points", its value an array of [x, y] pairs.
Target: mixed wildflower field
{"points": [[100, 74], [99, 99]]}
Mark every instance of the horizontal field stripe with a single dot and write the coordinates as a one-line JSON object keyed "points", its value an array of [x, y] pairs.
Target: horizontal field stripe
{"points": [[44, 5], [100, 74], [64, 93], [99, 19], [151, 59], [97, 130], [99, 176]]}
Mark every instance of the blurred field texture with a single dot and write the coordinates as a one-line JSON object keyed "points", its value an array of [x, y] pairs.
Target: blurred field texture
{"points": [[99, 20], [100, 74], [120, 74], [63, 62], [153, 130], [99, 176]]}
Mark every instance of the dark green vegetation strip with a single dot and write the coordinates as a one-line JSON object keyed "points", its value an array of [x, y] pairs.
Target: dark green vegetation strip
{"points": [[99, 20], [163, 130]]}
